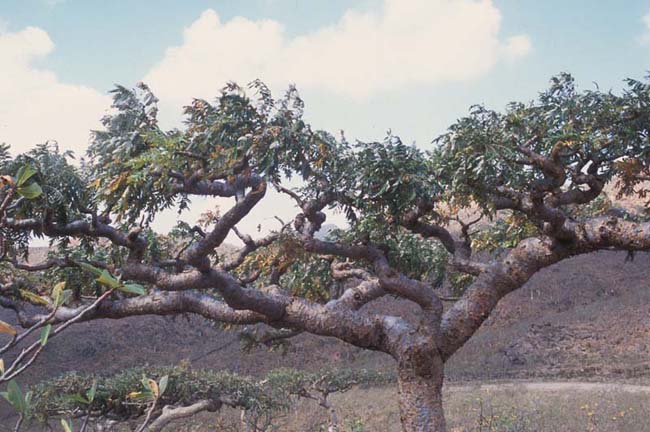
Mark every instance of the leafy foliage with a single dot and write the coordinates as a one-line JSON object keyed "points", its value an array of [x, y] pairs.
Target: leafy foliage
{"points": [[504, 233], [480, 153], [128, 394], [134, 167], [21, 402], [418, 258], [45, 182], [391, 178]]}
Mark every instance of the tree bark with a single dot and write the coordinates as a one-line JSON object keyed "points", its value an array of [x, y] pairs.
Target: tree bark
{"points": [[170, 414], [420, 395]]}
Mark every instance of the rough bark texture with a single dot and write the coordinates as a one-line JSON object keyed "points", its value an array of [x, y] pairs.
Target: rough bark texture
{"points": [[420, 395], [170, 414]]}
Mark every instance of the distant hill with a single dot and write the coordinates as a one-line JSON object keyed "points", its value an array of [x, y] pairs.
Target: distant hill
{"points": [[586, 315]]}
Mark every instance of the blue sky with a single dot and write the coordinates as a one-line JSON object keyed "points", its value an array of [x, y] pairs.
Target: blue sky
{"points": [[98, 43], [584, 35], [366, 66]]}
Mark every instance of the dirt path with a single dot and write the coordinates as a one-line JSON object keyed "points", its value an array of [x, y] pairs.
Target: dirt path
{"points": [[551, 386]]}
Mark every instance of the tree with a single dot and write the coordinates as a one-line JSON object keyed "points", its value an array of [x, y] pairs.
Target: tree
{"points": [[532, 177]]}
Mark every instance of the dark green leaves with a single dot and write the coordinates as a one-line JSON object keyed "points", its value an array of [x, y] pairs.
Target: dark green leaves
{"points": [[44, 182], [14, 396], [22, 403], [24, 173], [391, 177], [129, 155], [592, 132], [85, 400], [29, 191]]}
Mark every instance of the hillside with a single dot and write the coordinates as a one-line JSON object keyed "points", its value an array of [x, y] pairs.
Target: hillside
{"points": [[587, 318]]}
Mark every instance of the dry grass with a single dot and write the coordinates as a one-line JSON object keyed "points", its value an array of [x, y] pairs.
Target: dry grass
{"points": [[512, 409], [509, 408], [520, 410]]}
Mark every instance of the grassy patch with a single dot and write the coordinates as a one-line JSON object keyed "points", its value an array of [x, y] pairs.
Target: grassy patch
{"points": [[510, 408]]}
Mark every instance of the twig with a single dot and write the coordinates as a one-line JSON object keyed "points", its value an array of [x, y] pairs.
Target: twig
{"points": [[36, 348], [148, 417]]}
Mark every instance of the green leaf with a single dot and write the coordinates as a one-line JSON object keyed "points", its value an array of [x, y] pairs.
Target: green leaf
{"points": [[34, 298], [67, 427], [57, 293], [45, 334], [105, 278], [89, 268], [30, 192], [162, 384], [91, 393], [132, 288], [15, 396], [24, 173]]}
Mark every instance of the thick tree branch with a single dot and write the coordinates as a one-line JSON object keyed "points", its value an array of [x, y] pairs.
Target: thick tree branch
{"points": [[79, 228], [356, 297], [196, 254], [389, 279], [159, 303], [521, 263]]}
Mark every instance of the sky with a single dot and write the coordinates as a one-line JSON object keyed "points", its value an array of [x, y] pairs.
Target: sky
{"points": [[362, 66]]}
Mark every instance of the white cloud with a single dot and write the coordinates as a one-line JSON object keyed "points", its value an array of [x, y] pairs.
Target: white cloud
{"points": [[516, 47], [404, 44], [34, 105]]}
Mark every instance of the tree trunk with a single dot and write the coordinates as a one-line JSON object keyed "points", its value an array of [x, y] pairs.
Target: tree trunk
{"points": [[420, 395]]}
